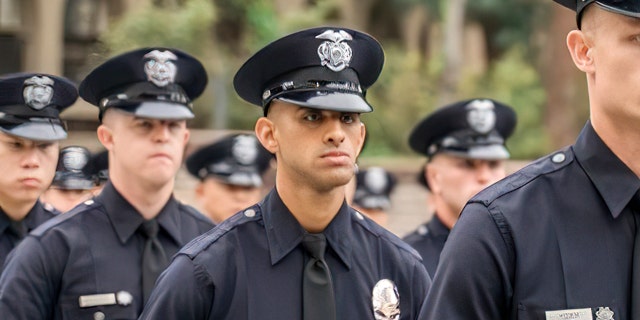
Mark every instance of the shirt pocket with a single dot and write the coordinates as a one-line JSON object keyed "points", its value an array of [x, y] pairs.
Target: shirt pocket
{"points": [[70, 309]]}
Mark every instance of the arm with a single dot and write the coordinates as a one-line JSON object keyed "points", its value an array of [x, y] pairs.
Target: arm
{"points": [[183, 291], [473, 279]]}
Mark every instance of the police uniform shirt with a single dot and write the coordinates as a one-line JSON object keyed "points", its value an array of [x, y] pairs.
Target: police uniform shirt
{"points": [[86, 264], [36, 216], [251, 266], [429, 240], [552, 241]]}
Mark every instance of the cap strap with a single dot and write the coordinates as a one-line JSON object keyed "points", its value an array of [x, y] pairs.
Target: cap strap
{"points": [[344, 86]]}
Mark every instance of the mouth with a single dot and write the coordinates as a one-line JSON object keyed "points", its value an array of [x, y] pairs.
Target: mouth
{"points": [[30, 182], [161, 156], [337, 157]]}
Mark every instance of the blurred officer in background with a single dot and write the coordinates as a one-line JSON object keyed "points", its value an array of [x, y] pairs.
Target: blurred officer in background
{"points": [[560, 239], [30, 128], [72, 183], [302, 252], [101, 259], [230, 172], [372, 195], [98, 168], [465, 147]]}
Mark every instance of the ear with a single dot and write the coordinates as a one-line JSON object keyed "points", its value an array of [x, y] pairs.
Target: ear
{"points": [[187, 135], [432, 175], [265, 131], [363, 135], [105, 136], [581, 50], [199, 191]]}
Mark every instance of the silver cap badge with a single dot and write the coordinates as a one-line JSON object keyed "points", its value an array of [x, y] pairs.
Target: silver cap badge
{"points": [[375, 179], [74, 159], [335, 54], [159, 69], [386, 300], [481, 116], [604, 313], [244, 149], [38, 92]]}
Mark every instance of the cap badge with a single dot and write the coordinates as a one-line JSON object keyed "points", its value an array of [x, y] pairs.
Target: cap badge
{"points": [[375, 179], [335, 54], [604, 313], [74, 160], [38, 92], [244, 149], [481, 116], [386, 300], [159, 68]]}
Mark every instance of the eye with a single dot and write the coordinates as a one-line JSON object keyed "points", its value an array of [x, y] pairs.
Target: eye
{"points": [[312, 116], [44, 145], [349, 118]]}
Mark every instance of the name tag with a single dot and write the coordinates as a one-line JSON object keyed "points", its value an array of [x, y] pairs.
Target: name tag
{"points": [[570, 314], [94, 300]]}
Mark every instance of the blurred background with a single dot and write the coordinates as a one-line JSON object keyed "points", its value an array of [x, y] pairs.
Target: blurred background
{"points": [[437, 52]]}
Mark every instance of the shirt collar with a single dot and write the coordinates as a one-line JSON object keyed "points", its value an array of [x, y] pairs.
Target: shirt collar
{"points": [[284, 232], [126, 219], [4, 222], [436, 227], [36, 216], [615, 182]]}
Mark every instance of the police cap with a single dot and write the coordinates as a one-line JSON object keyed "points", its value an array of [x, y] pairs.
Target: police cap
{"points": [[156, 83], [326, 68], [373, 188], [30, 105], [70, 174], [629, 8], [237, 159], [98, 167]]}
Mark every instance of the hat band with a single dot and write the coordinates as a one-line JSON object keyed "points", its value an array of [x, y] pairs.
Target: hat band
{"points": [[291, 86], [462, 141], [143, 92]]}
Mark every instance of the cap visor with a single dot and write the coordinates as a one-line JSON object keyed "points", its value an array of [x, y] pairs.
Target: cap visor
{"points": [[334, 101], [491, 152], [161, 110], [42, 131]]}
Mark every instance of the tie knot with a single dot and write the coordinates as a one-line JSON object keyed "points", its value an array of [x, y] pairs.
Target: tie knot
{"points": [[149, 228], [315, 244]]}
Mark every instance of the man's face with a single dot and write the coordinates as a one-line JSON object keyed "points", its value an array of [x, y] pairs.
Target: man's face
{"points": [[27, 169], [147, 150], [314, 148], [454, 180], [220, 201]]}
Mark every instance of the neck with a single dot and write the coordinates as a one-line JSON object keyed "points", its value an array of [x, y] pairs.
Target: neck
{"points": [[622, 138], [146, 198], [16, 211], [445, 214], [313, 209]]}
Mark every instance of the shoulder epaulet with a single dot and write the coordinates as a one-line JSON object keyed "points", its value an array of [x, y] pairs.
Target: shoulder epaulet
{"points": [[540, 167], [57, 220], [202, 242], [381, 232]]}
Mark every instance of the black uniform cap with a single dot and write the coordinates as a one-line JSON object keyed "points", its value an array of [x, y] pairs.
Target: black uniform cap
{"points": [[629, 8], [237, 159], [326, 68], [157, 83], [373, 188], [98, 167], [30, 105], [474, 129], [70, 172]]}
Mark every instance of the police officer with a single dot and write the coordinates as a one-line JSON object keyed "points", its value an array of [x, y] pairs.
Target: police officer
{"points": [[72, 184], [302, 252], [98, 169], [372, 195], [30, 128], [465, 147], [230, 171], [556, 240], [100, 260]]}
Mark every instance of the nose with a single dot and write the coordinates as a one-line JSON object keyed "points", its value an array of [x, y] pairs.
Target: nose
{"points": [[161, 132], [484, 173], [335, 133], [31, 159]]}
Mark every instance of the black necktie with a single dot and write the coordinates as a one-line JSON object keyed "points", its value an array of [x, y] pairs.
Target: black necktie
{"points": [[17, 232], [154, 259], [317, 286], [635, 273]]}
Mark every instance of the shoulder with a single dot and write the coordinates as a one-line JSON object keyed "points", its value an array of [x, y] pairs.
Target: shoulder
{"points": [[202, 243], [386, 237], [68, 218]]}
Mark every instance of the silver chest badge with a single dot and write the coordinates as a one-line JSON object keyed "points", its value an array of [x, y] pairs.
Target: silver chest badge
{"points": [[159, 68], [38, 92], [335, 54], [481, 116], [604, 313], [385, 300]]}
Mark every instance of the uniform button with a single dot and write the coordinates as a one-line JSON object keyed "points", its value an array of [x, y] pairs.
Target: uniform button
{"points": [[422, 230], [88, 202], [98, 316], [359, 215], [249, 213], [48, 207], [558, 158]]}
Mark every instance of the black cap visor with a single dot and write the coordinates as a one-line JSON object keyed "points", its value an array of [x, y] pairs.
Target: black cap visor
{"points": [[485, 152], [627, 8], [327, 100], [242, 179], [37, 131], [162, 110]]}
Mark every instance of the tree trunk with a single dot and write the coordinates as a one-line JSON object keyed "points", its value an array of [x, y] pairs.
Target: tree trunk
{"points": [[453, 46]]}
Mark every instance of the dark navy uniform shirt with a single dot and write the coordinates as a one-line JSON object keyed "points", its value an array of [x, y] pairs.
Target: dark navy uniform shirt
{"points": [[9, 239], [554, 236], [428, 240], [251, 266], [92, 249]]}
